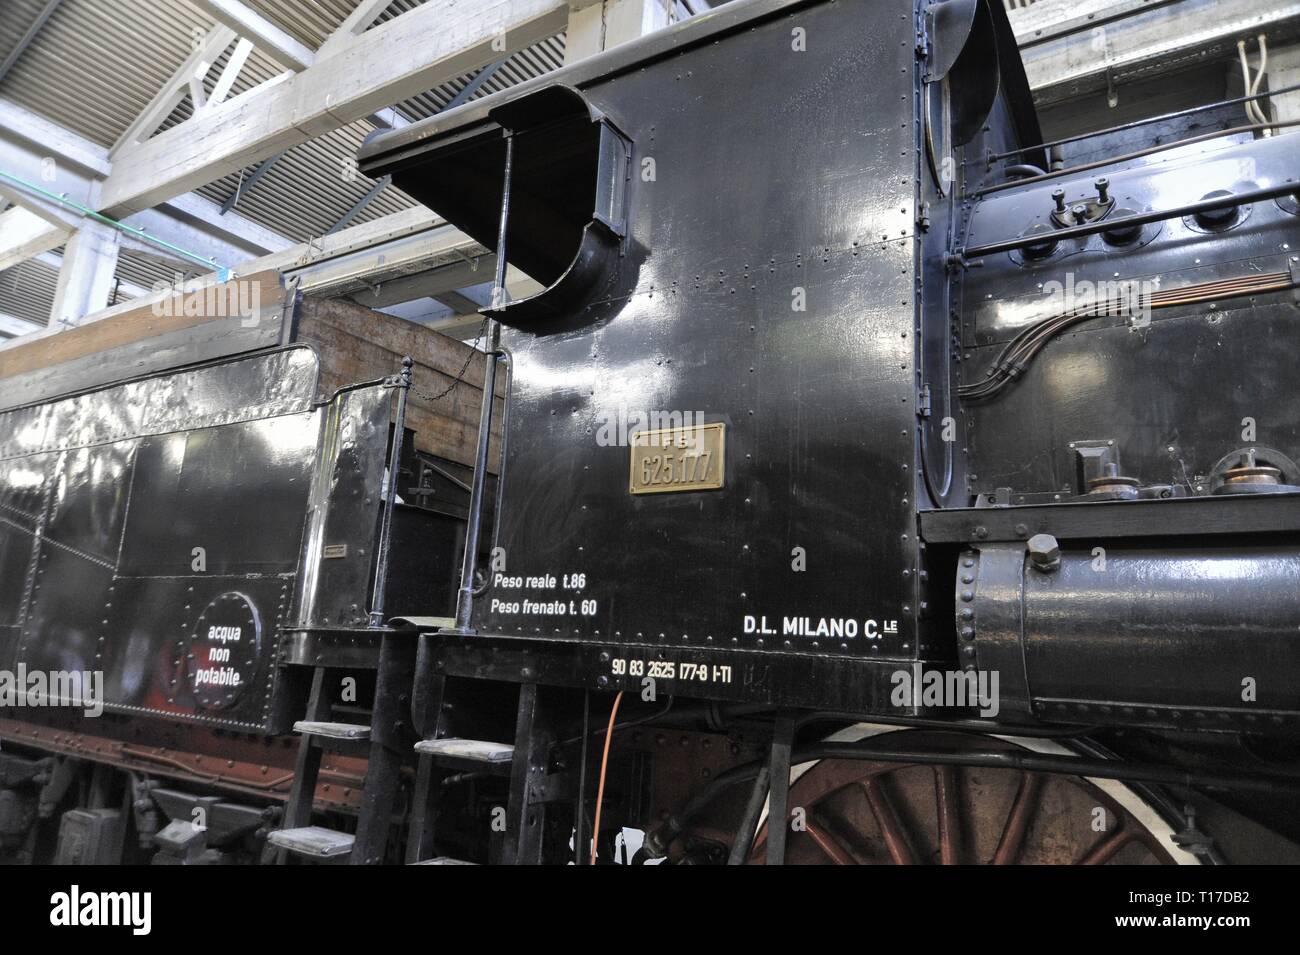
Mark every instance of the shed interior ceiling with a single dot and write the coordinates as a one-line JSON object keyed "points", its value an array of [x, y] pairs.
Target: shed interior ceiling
{"points": [[96, 65]]}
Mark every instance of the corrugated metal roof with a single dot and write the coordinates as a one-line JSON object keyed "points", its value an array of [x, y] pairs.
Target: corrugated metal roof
{"points": [[27, 291], [308, 23], [534, 61], [134, 269], [310, 187], [18, 16], [96, 64]]}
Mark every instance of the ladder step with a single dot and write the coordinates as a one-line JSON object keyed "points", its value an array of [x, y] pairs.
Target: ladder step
{"points": [[332, 730], [314, 841], [443, 860], [472, 750]]}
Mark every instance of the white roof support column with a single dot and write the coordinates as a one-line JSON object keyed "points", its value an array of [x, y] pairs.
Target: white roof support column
{"points": [[86, 274], [597, 26]]}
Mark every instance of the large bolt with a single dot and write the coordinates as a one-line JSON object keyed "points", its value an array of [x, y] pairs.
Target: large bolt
{"points": [[1044, 552], [1058, 196], [1103, 189]]}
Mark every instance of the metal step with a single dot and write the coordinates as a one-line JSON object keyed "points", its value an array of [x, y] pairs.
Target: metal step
{"points": [[443, 860], [316, 842], [467, 750], [332, 730]]}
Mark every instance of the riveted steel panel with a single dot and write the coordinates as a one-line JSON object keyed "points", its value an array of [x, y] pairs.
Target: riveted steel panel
{"points": [[153, 531], [344, 506], [786, 314], [1175, 389]]}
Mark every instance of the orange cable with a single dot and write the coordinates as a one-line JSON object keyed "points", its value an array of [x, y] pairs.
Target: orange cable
{"points": [[600, 790]]}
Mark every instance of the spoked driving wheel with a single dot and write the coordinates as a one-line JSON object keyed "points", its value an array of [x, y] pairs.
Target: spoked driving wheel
{"points": [[862, 812]]}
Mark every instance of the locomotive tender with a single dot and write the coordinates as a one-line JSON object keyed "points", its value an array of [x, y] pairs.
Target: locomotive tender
{"points": [[858, 439]]}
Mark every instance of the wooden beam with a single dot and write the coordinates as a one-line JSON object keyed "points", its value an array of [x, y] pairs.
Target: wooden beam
{"points": [[600, 26], [13, 326], [344, 262], [230, 72], [394, 61], [86, 274], [28, 141], [357, 23], [54, 262], [232, 229], [169, 97], [1074, 49], [266, 36], [51, 139], [135, 322], [24, 234]]}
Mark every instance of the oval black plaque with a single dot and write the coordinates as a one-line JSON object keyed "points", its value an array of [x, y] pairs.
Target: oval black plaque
{"points": [[223, 651]]}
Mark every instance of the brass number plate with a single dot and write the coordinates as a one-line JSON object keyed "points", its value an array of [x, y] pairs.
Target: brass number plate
{"points": [[678, 459]]}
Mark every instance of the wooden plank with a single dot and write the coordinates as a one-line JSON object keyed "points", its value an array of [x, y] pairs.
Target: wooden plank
{"points": [[357, 344], [134, 326]]}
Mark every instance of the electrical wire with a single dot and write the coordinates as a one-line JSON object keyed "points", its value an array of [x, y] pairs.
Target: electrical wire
{"points": [[1259, 77], [1250, 84], [1015, 357], [604, 764]]}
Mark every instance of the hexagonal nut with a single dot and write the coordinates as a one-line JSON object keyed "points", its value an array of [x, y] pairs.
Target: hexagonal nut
{"points": [[1044, 551]]}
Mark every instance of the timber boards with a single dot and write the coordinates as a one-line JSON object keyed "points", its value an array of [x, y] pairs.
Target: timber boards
{"points": [[357, 344]]}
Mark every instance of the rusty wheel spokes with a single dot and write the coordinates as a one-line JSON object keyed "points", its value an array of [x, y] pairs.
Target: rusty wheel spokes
{"points": [[1021, 815], [1107, 848], [882, 807], [949, 815], [829, 844]]}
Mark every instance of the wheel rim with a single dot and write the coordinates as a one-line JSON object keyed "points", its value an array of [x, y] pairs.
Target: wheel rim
{"points": [[847, 812]]}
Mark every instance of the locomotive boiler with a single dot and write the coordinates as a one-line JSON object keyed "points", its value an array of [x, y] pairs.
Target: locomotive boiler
{"points": [[876, 482]]}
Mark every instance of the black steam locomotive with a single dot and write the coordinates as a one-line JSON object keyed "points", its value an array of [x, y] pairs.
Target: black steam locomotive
{"points": [[866, 464]]}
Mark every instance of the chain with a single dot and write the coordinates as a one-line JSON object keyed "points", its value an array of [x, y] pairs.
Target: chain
{"points": [[460, 375]]}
